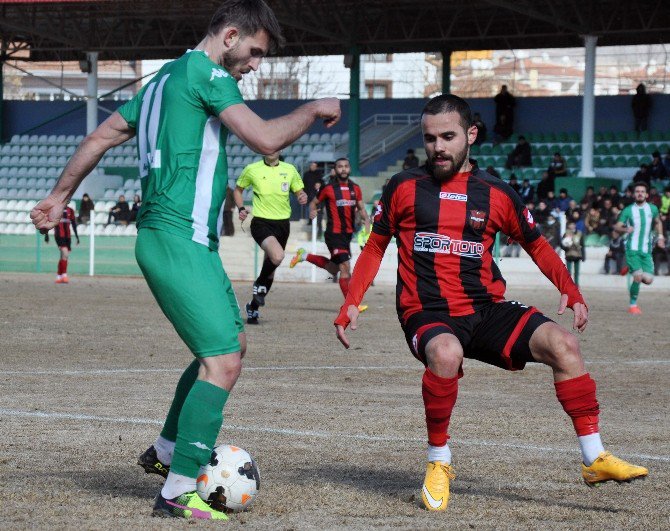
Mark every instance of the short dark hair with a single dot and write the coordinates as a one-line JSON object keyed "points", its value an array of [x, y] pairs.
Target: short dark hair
{"points": [[341, 158], [445, 103], [249, 16], [563, 191], [640, 183]]}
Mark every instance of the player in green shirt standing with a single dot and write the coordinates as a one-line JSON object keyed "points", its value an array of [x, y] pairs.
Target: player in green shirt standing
{"points": [[181, 119], [637, 220], [272, 180]]}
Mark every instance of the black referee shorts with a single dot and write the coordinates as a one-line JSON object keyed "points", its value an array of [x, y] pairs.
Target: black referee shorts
{"points": [[262, 228], [498, 334]]}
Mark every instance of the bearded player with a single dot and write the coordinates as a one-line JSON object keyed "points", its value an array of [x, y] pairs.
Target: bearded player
{"points": [[342, 198], [450, 293]]}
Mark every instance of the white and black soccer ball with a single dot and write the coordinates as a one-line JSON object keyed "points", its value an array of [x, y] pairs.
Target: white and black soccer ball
{"points": [[230, 481]]}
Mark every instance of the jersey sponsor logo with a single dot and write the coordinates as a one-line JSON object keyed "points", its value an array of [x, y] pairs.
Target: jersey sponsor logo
{"points": [[450, 196], [345, 202], [477, 219], [218, 72], [378, 213], [284, 186], [428, 242], [529, 218]]}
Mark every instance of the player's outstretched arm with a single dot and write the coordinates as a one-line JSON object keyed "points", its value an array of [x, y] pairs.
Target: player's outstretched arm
{"points": [[351, 319], [267, 136], [580, 310], [312, 207], [112, 132]]}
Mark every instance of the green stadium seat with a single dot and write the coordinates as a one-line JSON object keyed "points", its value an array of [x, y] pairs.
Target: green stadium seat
{"points": [[485, 149], [627, 149], [474, 150], [497, 149], [542, 150], [601, 149], [620, 161], [615, 149], [574, 138], [633, 161], [608, 162], [620, 136]]}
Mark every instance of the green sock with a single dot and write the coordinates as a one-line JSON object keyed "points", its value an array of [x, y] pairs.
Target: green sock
{"points": [[634, 292], [183, 387], [199, 424]]}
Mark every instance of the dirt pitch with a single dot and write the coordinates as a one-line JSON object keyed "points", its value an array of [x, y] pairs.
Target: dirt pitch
{"points": [[88, 371]]}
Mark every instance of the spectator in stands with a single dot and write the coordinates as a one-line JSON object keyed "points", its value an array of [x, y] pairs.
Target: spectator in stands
{"points": [[505, 104], [592, 221], [545, 185], [589, 196], [666, 161], [135, 209], [563, 200], [657, 168], [541, 212], [228, 228], [627, 198], [552, 202], [602, 194], [614, 195], [616, 253], [492, 171], [608, 217], [86, 206], [120, 212], [641, 105], [572, 207], [572, 242], [578, 218], [527, 191], [514, 184], [643, 175], [411, 160], [557, 166], [520, 155], [481, 129], [654, 197], [502, 130]]}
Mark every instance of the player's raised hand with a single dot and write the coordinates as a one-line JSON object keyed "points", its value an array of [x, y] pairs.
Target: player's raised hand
{"points": [[350, 318], [329, 110], [47, 213], [581, 313]]}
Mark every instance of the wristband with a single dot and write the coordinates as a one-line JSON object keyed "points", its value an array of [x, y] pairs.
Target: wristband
{"points": [[240, 209]]}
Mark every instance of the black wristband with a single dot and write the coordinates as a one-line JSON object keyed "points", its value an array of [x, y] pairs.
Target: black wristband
{"points": [[240, 209]]}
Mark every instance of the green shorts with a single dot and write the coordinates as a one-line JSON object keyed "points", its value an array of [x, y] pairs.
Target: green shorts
{"points": [[194, 292], [639, 261]]}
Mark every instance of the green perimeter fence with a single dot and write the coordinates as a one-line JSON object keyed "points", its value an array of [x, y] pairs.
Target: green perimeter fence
{"points": [[114, 255]]}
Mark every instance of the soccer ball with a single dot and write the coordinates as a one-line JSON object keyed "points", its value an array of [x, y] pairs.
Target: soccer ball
{"points": [[230, 481]]}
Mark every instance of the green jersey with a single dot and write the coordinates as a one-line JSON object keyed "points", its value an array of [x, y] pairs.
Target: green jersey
{"points": [[271, 185], [641, 218], [181, 147]]}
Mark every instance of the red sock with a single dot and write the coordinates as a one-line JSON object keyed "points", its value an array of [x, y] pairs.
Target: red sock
{"points": [[62, 267], [344, 286], [578, 398], [439, 397], [317, 260]]}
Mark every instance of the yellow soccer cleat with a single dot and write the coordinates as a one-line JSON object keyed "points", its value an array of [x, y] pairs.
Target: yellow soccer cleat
{"points": [[435, 490], [362, 308], [609, 468], [299, 257]]}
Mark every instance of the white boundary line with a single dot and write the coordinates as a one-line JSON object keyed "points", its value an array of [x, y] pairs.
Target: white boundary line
{"points": [[416, 367], [310, 433]]}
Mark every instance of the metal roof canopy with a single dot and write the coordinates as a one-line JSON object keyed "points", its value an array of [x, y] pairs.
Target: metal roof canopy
{"points": [[161, 29]]}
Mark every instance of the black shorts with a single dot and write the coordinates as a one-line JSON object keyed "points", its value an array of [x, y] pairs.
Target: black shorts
{"points": [[339, 246], [64, 242], [262, 228], [498, 335]]}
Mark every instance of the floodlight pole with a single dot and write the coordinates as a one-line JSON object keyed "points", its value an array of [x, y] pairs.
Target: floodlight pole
{"points": [[588, 106], [446, 71], [92, 93], [91, 125], [355, 110]]}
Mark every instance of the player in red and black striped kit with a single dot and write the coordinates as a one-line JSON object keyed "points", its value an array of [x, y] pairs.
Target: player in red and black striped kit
{"points": [[450, 293], [63, 238], [342, 198]]}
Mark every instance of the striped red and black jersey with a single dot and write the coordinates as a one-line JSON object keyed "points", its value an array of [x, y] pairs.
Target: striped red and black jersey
{"points": [[62, 230], [340, 202], [445, 232]]}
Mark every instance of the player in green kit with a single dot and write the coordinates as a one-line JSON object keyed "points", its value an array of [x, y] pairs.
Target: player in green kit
{"points": [[637, 220], [181, 119], [272, 180]]}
